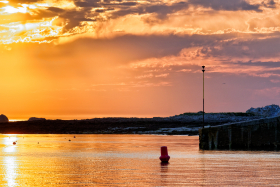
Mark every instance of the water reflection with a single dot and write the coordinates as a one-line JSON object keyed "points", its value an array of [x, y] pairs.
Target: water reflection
{"points": [[202, 172], [129, 160], [8, 143], [10, 172], [10, 165], [164, 166], [164, 173]]}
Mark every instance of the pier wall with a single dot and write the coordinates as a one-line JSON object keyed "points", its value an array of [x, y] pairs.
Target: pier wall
{"points": [[260, 134]]}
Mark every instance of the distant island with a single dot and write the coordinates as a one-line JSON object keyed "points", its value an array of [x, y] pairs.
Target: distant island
{"points": [[183, 124]]}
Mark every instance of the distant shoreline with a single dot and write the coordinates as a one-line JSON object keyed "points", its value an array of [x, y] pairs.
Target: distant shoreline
{"points": [[184, 124]]}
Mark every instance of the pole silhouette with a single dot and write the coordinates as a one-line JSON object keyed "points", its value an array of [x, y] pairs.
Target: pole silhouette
{"points": [[203, 94]]}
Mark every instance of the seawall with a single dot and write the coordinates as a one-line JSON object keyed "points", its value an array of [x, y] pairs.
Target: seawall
{"points": [[259, 134]]}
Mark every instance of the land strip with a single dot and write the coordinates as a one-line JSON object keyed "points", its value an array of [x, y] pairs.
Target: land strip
{"points": [[184, 124]]}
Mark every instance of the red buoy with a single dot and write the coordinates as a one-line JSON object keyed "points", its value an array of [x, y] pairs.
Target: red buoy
{"points": [[164, 154]]}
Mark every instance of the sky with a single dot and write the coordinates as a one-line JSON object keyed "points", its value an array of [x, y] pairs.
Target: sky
{"points": [[79, 59]]}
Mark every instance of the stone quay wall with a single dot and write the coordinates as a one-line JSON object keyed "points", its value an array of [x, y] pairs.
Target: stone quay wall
{"points": [[259, 134]]}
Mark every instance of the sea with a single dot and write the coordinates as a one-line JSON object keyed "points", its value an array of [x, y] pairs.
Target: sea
{"points": [[129, 160]]}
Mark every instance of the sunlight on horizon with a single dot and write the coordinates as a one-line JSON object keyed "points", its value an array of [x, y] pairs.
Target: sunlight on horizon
{"points": [[15, 120]]}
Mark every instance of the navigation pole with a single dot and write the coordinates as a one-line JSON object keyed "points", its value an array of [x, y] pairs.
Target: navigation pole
{"points": [[203, 94]]}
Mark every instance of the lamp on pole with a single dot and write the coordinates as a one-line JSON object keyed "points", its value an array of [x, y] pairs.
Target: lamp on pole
{"points": [[203, 94]]}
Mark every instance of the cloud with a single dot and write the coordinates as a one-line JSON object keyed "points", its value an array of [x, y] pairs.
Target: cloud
{"points": [[56, 9], [272, 93], [99, 3], [246, 50], [162, 75], [269, 4], [150, 75], [17, 17], [163, 9], [74, 18], [257, 48], [69, 18], [228, 5], [112, 18], [275, 80], [87, 3], [16, 2], [130, 47], [264, 24], [244, 57]]}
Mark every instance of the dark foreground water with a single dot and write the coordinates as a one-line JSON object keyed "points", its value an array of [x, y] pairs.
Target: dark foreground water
{"points": [[129, 160]]}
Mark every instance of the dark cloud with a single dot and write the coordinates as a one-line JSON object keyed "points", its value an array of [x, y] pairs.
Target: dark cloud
{"points": [[108, 1], [87, 3], [262, 64], [74, 18], [254, 48], [128, 3], [232, 5], [55, 9], [99, 3], [142, 47], [100, 10], [161, 10], [269, 4], [128, 48], [122, 4], [71, 17]]}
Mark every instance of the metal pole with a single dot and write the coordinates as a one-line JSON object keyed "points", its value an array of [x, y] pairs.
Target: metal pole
{"points": [[203, 93]]}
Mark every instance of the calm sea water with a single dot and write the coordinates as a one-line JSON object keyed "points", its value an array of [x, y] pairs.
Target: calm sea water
{"points": [[129, 160]]}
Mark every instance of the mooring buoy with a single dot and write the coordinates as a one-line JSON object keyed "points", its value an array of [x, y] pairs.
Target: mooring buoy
{"points": [[164, 154]]}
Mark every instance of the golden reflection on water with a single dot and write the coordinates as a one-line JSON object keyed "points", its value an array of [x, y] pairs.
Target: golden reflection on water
{"points": [[8, 143], [129, 160], [10, 172], [10, 165]]}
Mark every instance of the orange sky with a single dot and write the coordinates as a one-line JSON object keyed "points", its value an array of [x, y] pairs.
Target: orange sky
{"points": [[77, 59]]}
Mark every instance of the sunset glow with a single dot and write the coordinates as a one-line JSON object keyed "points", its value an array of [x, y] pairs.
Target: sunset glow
{"points": [[76, 59]]}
